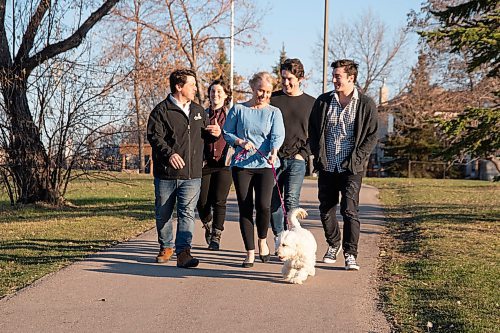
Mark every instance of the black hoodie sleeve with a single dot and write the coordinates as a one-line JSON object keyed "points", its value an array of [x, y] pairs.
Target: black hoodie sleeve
{"points": [[156, 133]]}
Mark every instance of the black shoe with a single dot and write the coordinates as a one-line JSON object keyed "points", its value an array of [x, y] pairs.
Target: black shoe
{"points": [[265, 258], [350, 262], [215, 240], [208, 231], [331, 254], [247, 264], [186, 260], [213, 246]]}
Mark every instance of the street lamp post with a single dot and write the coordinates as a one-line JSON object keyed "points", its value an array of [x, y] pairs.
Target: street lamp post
{"points": [[231, 70], [325, 49]]}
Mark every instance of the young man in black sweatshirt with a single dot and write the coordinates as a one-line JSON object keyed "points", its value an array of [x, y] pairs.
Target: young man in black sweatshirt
{"points": [[295, 106]]}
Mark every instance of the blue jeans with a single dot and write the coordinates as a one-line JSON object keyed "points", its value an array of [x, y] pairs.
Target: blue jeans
{"points": [[290, 178], [167, 192]]}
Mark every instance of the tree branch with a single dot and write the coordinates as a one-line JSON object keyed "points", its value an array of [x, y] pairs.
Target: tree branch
{"points": [[178, 38], [31, 30], [5, 58], [72, 41], [145, 24]]}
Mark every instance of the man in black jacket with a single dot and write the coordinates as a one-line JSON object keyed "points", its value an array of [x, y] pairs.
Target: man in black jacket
{"points": [[176, 130], [342, 134]]}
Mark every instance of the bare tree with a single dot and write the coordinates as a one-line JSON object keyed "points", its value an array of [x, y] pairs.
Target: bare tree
{"points": [[137, 97], [74, 102], [193, 28], [82, 109], [153, 37], [368, 41], [41, 40], [134, 46]]}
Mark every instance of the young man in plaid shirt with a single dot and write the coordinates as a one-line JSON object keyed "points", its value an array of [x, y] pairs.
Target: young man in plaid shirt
{"points": [[342, 134]]}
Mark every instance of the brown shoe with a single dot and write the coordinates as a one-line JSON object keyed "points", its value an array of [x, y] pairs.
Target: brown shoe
{"points": [[186, 260], [164, 255]]}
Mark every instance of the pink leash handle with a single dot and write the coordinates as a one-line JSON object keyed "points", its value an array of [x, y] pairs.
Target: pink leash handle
{"points": [[243, 154]]}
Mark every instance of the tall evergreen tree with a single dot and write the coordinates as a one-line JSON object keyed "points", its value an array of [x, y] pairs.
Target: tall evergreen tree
{"points": [[221, 66], [472, 27], [414, 137], [221, 69], [276, 69]]}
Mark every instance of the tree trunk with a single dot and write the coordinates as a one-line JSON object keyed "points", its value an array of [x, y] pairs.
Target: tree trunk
{"points": [[137, 97], [200, 93], [28, 158], [140, 133]]}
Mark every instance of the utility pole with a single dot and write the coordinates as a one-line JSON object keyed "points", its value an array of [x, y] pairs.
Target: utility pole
{"points": [[325, 49], [13, 28], [231, 70]]}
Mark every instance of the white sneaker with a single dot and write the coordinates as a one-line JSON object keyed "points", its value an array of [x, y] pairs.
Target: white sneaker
{"points": [[350, 262]]}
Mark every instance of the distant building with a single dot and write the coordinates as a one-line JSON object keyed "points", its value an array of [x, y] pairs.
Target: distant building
{"points": [[130, 150], [385, 127]]}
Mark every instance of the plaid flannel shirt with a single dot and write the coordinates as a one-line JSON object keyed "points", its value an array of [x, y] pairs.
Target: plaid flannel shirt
{"points": [[340, 131]]}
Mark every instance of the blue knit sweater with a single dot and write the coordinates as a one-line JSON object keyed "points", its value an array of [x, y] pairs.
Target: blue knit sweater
{"points": [[263, 127]]}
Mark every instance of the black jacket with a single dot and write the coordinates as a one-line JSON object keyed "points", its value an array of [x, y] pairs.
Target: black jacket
{"points": [[365, 130], [170, 131]]}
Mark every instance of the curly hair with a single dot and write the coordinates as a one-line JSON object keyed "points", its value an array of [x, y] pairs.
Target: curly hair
{"points": [[350, 67], [294, 66], [261, 76]]}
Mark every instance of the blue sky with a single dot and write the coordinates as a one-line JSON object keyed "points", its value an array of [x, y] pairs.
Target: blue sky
{"points": [[298, 24]]}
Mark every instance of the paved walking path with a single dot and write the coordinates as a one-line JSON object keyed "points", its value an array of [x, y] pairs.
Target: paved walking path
{"points": [[124, 290]]}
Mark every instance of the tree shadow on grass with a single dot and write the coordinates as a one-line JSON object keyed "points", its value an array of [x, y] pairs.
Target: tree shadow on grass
{"points": [[425, 297], [42, 251], [140, 210], [99, 201], [406, 226], [457, 213]]}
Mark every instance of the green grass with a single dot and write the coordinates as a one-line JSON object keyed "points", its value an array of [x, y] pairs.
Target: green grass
{"points": [[36, 240], [440, 264], [440, 255]]}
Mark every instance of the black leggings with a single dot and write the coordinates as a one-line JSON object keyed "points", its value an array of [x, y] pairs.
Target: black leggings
{"points": [[245, 182], [215, 185]]}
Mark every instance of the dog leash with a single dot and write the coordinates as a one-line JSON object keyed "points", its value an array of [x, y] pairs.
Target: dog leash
{"points": [[243, 154]]}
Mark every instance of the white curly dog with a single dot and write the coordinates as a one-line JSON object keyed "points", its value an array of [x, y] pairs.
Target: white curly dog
{"points": [[297, 249]]}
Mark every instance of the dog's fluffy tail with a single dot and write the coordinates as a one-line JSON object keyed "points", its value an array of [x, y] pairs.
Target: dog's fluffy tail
{"points": [[294, 215]]}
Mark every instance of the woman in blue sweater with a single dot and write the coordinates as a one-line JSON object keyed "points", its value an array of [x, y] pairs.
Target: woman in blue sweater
{"points": [[255, 128]]}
